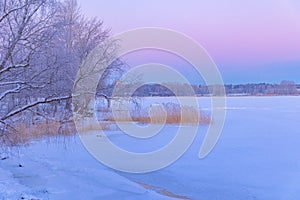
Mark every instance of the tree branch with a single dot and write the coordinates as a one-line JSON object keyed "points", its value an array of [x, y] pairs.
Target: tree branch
{"points": [[43, 101]]}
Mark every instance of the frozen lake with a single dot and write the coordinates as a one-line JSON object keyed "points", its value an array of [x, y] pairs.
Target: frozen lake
{"points": [[256, 157]]}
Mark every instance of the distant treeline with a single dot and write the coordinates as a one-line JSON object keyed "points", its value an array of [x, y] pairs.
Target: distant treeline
{"points": [[259, 89]]}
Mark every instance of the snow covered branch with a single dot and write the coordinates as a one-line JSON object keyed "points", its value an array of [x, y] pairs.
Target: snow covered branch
{"points": [[13, 67], [11, 91], [33, 104]]}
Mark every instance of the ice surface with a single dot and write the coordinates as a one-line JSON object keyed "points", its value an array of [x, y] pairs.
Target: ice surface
{"points": [[257, 157]]}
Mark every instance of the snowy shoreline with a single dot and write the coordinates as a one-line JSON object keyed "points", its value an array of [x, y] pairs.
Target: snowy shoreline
{"points": [[257, 157]]}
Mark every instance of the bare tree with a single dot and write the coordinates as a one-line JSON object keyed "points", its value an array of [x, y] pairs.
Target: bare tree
{"points": [[42, 44], [24, 28]]}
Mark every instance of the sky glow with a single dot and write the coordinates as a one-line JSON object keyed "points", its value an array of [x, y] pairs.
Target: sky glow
{"points": [[250, 41]]}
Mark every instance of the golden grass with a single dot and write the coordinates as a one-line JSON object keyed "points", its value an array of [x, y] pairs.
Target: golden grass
{"points": [[170, 114], [23, 133]]}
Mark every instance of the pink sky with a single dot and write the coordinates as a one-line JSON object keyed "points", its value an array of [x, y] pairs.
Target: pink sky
{"points": [[256, 34]]}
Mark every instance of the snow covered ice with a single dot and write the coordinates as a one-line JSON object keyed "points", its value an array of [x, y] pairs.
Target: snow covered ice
{"points": [[257, 157]]}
